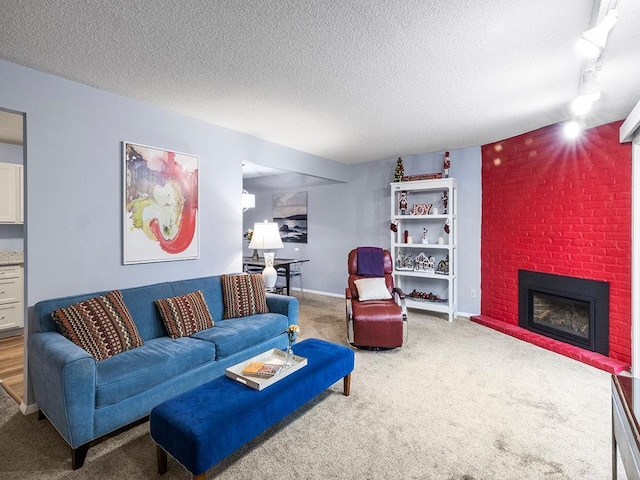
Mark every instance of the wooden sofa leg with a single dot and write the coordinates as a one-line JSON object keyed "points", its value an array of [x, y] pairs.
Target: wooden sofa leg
{"points": [[41, 415], [78, 455], [346, 385], [161, 457]]}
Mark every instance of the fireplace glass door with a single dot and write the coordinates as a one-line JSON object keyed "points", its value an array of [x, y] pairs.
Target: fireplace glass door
{"points": [[560, 314]]}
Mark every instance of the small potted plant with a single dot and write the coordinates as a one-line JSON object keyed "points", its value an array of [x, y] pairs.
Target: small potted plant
{"points": [[292, 332], [249, 235]]}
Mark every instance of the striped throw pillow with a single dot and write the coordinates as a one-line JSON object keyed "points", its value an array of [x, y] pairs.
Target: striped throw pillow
{"points": [[185, 315], [101, 325], [243, 295]]}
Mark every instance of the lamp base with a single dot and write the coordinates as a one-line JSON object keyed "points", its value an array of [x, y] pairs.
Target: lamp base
{"points": [[269, 274]]}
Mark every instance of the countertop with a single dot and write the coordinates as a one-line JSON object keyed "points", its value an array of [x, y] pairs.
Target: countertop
{"points": [[11, 258]]}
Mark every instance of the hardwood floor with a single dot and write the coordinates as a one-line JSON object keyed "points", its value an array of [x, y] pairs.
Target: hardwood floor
{"points": [[11, 365]]}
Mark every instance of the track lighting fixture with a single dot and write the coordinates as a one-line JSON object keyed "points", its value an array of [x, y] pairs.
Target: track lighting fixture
{"points": [[592, 42], [588, 93]]}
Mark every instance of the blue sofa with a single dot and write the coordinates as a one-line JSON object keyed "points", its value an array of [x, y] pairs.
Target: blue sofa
{"points": [[85, 399]]}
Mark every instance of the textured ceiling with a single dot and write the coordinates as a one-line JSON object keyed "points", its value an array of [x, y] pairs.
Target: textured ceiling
{"points": [[351, 81]]}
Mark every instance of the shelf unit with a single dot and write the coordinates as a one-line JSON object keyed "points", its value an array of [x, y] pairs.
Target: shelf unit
{"points": [[440, 244]]}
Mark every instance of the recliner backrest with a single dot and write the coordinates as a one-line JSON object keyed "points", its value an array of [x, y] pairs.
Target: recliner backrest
{"points": [[352, 268]]}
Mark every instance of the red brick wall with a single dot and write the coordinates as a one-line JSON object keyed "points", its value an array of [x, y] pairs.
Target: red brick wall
{"points": [[558, 206]]}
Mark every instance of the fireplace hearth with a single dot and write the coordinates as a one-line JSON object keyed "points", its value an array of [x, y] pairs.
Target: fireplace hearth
{"points": [[568, 309]]}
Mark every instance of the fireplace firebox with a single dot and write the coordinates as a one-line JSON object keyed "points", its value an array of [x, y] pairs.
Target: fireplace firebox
{"points": [[568, 309]]}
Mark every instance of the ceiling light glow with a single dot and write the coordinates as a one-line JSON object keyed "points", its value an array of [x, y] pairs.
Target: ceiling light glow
{"points": [[581, 105], [572, 129]]}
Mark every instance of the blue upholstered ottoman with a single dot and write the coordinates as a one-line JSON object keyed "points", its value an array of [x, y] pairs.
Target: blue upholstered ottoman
{"points": [[202, 426]]}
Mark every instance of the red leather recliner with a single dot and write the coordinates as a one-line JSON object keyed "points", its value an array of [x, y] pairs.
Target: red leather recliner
{"points": [[375, 323]]}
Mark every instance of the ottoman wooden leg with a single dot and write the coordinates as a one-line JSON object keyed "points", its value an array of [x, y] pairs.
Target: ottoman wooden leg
{"points": [[161, 456], [346, 390], [201, 476]]}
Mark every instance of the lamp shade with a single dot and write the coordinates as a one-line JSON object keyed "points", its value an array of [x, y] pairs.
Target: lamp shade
{"points": [[266, 236]]}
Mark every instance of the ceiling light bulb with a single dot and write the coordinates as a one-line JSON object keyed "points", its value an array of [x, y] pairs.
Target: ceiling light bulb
{"points": [[594, 39], [572, 129]]}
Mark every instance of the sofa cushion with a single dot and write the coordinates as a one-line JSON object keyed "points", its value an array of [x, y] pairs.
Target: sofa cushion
{"points": [[243, 295], [211, 288], [234, 335], [158, 360], [185, 315], [101, 325]]}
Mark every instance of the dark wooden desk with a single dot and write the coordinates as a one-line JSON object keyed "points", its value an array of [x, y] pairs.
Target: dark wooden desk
{"points": [[277, 263], [625, 393]]}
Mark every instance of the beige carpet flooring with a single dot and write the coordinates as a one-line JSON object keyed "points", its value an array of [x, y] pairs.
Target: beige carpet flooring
{"points": [[458, 402]]}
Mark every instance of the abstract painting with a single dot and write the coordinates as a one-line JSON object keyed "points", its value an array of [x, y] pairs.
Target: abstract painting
{"points": [[290, 213], [160, 205]]}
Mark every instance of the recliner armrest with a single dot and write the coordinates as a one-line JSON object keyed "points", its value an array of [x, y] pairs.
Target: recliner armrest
{"points": [[398, 291], [349, 315]]}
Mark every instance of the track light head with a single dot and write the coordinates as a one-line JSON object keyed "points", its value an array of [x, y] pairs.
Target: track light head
{"points": [[593, 40]]}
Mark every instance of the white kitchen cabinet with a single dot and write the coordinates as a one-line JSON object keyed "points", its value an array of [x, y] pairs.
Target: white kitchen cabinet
{"points": [[11, 297], [11, 193]]}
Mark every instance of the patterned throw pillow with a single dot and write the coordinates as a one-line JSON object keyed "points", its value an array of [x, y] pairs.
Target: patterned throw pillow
{"points": [[243, 295], [185, 315], [101, 325]]}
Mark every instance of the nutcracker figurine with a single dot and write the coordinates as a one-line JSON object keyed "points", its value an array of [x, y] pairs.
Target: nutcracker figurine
{"points": [[402, 203], [445, 201], [446, 164]]}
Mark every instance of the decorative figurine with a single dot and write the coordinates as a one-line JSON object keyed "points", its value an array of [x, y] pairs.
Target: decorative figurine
{"points": [[424, 236], [420, 263], [398, 175], [402, 203], [446, 164], [443, 266], [404, 262], [431, 264], [445, 201]]}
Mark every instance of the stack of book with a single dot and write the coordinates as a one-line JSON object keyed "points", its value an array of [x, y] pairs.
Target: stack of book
{"points": [[261, 369]]}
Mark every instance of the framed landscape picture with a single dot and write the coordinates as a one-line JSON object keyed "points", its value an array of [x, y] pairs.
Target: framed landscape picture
{"points": [[160, 218], [290, 213]]}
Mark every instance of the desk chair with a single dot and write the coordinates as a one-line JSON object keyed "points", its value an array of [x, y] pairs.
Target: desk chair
{"points": [[295, 269]]}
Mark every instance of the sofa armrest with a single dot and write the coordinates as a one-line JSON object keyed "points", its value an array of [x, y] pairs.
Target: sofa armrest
{"points": [[63, 377], [284, 305]]}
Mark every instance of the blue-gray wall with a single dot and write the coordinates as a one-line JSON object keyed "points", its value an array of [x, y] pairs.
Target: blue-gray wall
{"points": [[73, 196], [11, 236], [74, 183], [345, 215]]}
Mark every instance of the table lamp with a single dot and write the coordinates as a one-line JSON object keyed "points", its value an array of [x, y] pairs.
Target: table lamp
{"points": [[266, 236]]}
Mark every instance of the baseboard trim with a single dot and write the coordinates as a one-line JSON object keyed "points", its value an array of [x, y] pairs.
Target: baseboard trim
{"points": [[318, 292], [29, 409], [11, 332]]}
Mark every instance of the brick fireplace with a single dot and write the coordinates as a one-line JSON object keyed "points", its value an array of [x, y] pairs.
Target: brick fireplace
{"points": [[561, 207]]}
